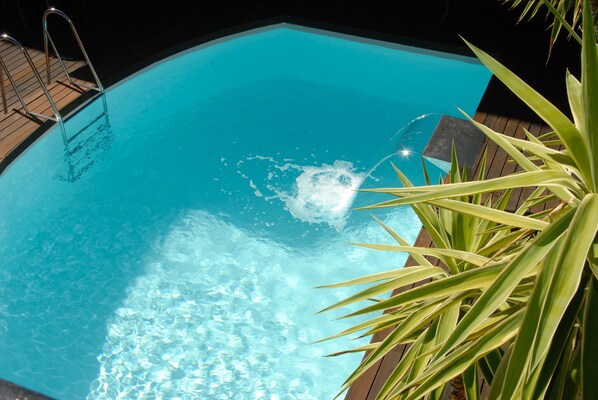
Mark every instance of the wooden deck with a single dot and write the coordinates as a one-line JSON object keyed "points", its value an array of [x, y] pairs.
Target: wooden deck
{"points": [[16, 126]]}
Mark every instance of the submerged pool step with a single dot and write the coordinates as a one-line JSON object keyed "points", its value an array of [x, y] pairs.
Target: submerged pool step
{"points": [[10, 391]]}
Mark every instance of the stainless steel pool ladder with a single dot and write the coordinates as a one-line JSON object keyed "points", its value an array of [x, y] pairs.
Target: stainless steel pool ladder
{"points": [[57, 117], [48, 39]]}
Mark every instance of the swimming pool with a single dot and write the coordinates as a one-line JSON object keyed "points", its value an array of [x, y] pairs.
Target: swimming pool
{"points": [[170, 248]]}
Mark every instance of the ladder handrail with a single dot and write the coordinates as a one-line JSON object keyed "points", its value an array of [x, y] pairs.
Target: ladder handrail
{"points": [[3, 89], [48, 38], [57, 117]]}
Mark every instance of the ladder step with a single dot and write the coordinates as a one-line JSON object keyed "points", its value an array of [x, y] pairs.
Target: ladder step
{"points": [[86, 147]]}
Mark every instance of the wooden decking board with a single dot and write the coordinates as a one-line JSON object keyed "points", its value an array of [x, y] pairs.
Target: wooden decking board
{"points": [[541, 207], [387, 367], [27, 87], [495, 157], [17, 118], [29, 82], [535, 129], [503, 106], [38, 102], [528, 123], [391, 360], [19, 127], [35, 101], [502, 164], [20, 69], [510, 167], [8, 52], [382, 368], [10, 142], [370, 384], [21, 73], [508, 119], [496, 123], [14, 58]]}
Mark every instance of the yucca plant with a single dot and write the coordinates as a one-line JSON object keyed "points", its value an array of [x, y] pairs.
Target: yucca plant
{"points": [[514, 295], [558, 9]]}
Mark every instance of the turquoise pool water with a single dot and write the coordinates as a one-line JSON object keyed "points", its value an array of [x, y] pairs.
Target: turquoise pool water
{"points": [[170, 248]]}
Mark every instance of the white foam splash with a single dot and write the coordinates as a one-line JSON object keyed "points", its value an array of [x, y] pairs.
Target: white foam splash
{"points": [[313, 194], [324, 194], [255, 189]]}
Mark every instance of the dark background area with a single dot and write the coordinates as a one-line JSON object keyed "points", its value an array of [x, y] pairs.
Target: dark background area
{"points": [[117, 24], [123, 33]]}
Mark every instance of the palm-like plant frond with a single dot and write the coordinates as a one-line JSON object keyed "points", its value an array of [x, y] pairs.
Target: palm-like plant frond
{"points": [[558, 11], [512, 296]]}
